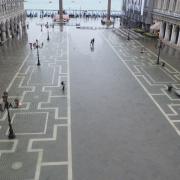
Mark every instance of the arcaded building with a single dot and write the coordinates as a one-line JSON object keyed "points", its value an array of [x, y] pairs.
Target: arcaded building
{"points": [[12, 19], [138, 13], [166, 13]]}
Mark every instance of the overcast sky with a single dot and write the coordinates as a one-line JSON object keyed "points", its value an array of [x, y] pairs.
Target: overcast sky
{"points": [[73, 4]]}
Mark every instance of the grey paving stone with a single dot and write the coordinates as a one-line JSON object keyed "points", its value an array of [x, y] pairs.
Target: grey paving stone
{"points": [[20, 166], [26, 122], [119, 106], [57, 172], [55, 148]]}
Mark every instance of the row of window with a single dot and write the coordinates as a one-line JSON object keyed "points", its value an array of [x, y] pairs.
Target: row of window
{"points": [[9, 5], [169, 5], [166, 4], [137, 2]]}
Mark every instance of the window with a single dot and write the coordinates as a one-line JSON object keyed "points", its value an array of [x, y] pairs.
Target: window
{"points": [[174, 5], [167, 5]]}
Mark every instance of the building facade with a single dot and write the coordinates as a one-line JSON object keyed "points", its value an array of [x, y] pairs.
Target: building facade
{"points": [[167, 14], [12, 19], [138, 13]]}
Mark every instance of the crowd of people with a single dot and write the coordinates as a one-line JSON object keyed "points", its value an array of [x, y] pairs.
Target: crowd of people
{"points": [[72, 14]]}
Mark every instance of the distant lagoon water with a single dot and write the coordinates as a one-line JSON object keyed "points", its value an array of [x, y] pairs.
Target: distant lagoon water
{"points": [[73, 4]]}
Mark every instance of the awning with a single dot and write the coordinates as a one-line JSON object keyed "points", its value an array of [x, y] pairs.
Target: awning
{"points": [[155, 26]]}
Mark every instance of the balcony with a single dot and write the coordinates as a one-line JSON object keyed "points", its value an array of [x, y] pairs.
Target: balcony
{"points": [[167, 13]]}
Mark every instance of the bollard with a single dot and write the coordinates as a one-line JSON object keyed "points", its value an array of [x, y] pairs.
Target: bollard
{"points": [[163, 64], [170, 87]]}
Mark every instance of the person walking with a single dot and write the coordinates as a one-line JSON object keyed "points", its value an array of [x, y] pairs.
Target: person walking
{"points": [[92, 42], [63, 85]]}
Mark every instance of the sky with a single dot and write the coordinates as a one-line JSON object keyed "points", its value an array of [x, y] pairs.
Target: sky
{"points": [[73, 4]]}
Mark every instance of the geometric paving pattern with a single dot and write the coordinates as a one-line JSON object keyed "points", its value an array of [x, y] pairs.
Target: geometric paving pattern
{"points": [[153, 78], [43, 122]]}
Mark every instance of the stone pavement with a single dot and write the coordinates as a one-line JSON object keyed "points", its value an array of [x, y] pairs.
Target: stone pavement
{"points": [[42, 123], [125, 124], [153, 78], [120, 127]]}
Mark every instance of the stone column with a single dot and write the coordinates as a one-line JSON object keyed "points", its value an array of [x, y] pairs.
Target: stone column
{"points": [[0, 36], [109, 10], [177, 9], [3, 31], [23, 24], [174, 34], [178, 43], [61, 10], [23, 21], [8, 35], [12, 28], [171, 5], [164, 5], [159, 4], [167, 33], [161, 33], [1, 11], [15, 26]]}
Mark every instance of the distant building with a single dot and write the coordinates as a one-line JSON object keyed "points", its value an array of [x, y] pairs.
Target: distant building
{"points": [[12, 18], [166, 15]]}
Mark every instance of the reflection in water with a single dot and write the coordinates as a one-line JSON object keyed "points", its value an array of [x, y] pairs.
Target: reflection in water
{"points": [[92, 48], [61, 27], [16, 45]]}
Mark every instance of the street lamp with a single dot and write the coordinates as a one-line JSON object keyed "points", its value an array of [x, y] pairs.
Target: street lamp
{"points": [[37, 47], [128, 37], [5, 106], [47, 26]]}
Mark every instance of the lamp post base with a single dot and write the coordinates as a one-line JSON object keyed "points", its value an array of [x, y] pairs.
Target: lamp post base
{"points": [[158, 62], [11, 134]]}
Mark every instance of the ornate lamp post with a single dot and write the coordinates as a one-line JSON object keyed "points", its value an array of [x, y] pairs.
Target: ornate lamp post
{"points": [[36, 46], [128, 35], [5, 106]]}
